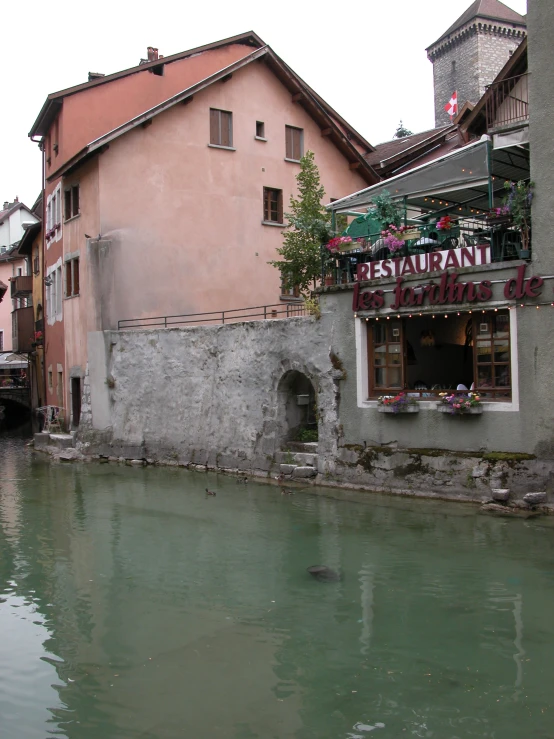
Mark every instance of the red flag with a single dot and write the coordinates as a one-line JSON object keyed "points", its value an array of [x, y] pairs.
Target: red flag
{"points": [[451, 106]]}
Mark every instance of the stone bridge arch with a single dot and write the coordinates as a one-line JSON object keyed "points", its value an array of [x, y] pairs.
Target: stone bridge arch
{"points": [[18, 395]]}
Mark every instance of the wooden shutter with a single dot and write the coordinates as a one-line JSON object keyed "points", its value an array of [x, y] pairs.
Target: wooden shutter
{"points": [[226, 128], [75, 277], [68, 280], [75, 200], [214, 127], [67, 204], [288, 142]]}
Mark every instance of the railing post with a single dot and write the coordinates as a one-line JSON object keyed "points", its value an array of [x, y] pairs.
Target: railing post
{"points": [[165, 321], [265, 312], [222, 316]]}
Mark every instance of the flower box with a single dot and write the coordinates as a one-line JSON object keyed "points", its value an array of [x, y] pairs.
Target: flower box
{"points": [[398, 412], [476, 411]]}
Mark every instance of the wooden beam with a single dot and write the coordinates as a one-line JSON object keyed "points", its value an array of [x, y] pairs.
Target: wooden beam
{"points": [[326, 131], [355, 165], [297, 97], [226, 78], [188, 100], [147, 123]]}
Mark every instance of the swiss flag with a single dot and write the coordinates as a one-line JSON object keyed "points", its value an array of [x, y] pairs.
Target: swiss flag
{"points": [[451, 106]]}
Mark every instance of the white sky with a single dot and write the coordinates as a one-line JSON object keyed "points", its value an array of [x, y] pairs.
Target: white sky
{"points": [[365, 57]]}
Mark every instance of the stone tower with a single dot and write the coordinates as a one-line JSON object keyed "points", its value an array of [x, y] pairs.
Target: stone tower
{"points": [[470, 54]]}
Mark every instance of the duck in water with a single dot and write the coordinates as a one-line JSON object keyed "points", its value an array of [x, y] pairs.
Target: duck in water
{"points": [[323, 573], [284, 491], [210, 492]]}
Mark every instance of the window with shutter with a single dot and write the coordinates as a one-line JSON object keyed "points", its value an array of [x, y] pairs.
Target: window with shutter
{"points": [[294, 143], [221, 128]]}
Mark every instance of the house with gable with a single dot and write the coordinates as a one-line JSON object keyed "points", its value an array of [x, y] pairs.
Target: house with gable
{"points": [[170, 197]]}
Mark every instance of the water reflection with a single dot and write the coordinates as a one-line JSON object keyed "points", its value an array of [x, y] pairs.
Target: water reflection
{"points": [[137, 607]]}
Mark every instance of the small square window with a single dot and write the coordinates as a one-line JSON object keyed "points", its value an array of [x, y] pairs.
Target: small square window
{"points": [[273, 205], [260, 130]]}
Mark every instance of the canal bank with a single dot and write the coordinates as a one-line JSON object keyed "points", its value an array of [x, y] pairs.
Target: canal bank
{"points": [[239, 397]]}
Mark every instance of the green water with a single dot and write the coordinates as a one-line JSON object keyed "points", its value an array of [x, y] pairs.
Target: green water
{"points": [[132, 605]]}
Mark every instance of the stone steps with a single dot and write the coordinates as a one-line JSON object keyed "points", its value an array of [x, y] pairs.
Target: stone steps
{"points": [[299, 460]]}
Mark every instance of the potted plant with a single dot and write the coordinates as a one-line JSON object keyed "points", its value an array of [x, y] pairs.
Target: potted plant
{"points": [[460, 404], [517, 204], [400, 403]]}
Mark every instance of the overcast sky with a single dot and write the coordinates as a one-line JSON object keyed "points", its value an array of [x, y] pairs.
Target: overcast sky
{"points": [[365, 57]]}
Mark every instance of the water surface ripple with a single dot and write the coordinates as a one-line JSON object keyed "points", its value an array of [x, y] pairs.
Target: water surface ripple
{"points": [[132, 606]]}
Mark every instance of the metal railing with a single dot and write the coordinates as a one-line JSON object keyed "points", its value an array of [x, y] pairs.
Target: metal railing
{"points": [[256, 313], [508, 102]]}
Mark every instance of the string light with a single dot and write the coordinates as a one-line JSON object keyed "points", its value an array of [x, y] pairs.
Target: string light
{"points": [[446, 315]]}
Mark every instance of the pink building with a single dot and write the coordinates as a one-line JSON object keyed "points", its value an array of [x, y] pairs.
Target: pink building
{"points": [[170, 198]]}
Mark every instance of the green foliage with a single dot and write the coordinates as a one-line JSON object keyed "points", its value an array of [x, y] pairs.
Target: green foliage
{"points": [[307, 435], [309, 226], [518, 203], [386, 210], [402, 131], [312, 307]]}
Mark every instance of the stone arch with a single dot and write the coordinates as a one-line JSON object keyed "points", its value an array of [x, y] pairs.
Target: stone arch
{"points": [[296, 404]]}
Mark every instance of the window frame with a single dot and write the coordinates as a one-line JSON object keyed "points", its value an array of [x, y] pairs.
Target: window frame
{"points": [[494, 390], [260, 131], [267, 210], [72, 278], [290, 152], [72, 201], [216, 129], [376, 390]]}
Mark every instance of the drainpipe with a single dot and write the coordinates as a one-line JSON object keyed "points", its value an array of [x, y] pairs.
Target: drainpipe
{"points": [[41, 273]]}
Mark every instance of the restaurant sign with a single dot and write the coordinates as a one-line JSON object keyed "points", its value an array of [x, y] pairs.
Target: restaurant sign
{"points": [[467, 256], [447, 291]]}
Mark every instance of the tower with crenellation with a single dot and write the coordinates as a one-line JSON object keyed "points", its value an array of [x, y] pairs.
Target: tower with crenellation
{"points": [[469, 55]]}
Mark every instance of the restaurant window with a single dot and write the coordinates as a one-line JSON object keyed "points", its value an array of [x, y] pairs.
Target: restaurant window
{"points": [[273, 205], [71, 202], [427, 355], [72, 278], [294, 138], [221, 128]]}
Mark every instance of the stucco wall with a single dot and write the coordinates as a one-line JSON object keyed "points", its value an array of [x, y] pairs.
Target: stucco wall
{"points": [[185, 219]]}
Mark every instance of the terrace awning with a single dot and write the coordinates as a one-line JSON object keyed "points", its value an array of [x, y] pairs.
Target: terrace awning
{"points": [[461, 181]]}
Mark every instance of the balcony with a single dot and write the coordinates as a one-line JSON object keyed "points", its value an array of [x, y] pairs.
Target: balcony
{"points": [[23, 329], [21, 286], [508, 103]]}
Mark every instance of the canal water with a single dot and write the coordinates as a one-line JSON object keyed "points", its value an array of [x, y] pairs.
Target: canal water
{"points": [[134, 606]]}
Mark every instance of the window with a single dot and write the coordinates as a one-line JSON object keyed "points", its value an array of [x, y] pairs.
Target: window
{"points": [[289, 292], [386, 356], [294, 138], [60, 386], [260, 130], [36, 263], [221, 128], [273, 205], [54, 215], [72, 277], [71, 202], [491, 332], [54, 293], [431, 354], [50, 386]]}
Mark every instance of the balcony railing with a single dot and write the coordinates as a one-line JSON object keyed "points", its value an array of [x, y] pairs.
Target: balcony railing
{"points": [[21, 286], [508, 102], [23, 329]]}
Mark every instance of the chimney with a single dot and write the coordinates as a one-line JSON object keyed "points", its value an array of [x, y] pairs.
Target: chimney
{"points": [[16, 199], [6, 205], [95, 76], [152, 54]]}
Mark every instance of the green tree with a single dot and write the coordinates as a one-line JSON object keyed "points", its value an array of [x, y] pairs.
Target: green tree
{"points": [[402, 131], [309, 226]]}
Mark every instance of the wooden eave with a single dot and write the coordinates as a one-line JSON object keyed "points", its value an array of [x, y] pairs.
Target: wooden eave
{"points": [[288, 78], [54, 101]]}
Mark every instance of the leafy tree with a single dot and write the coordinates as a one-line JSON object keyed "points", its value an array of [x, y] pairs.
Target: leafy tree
{"points": [[402, 131], [309, 226]]}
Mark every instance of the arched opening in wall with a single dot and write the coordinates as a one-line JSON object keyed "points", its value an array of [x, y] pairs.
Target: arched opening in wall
{"points": [[297, 407]]}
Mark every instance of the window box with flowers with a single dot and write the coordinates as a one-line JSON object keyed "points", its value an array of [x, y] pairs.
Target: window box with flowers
{"points": [[460, 404], [396, 404]]}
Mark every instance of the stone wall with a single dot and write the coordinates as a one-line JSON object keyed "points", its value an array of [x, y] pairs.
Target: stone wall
{"points": [[212, 398]]}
